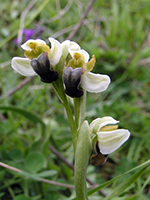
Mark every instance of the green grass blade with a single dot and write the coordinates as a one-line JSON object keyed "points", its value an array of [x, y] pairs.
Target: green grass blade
{"points": [[14, 33], [125, 184], [33, 117], [143, 165]]}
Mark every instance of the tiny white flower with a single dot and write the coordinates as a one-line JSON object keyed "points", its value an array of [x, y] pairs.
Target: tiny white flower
{"points": [[91, 82], [33, 48], [109, 137]]}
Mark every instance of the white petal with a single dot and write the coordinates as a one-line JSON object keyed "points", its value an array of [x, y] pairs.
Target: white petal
{"points": [[84, 55], [65, 43], [26, 45], [110, 141], [22, 66], [74, 46], [65, 47], [98, 123], [94, 83], [56, 51]]}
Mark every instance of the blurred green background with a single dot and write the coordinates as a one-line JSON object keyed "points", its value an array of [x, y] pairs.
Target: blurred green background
{"points": [[118, 33]]}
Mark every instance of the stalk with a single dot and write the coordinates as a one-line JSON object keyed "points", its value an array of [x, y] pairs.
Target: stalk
{"points": [[58, 86], [79, 109], [81, 161]]}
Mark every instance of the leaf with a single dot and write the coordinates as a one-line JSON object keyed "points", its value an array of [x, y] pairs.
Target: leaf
{"points": [[16, 154], [27, 114], [34, 161], [2, 194], [28, 175], [82, 154], [22, 197], [47, 173], [125, 184], [2, 174], [133, 197]]}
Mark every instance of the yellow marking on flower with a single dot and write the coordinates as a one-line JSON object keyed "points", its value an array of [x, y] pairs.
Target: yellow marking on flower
{"points": [[91, 64], [109, 128], [37, 49], [78, 61], [76, 64], [77, 56]]}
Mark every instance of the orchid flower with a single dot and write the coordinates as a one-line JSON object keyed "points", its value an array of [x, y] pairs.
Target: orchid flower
{"points": [[80, 63], [33, 49], [109, 138]]}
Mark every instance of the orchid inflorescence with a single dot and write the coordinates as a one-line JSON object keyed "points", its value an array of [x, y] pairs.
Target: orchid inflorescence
{"points": [[68, 68], [72, 65]]}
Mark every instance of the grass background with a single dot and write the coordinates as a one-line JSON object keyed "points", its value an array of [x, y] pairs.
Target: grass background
{"points": [[117, 32]]}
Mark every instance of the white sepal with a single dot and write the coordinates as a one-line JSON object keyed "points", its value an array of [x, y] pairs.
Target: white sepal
{"points": [[74, 46], [26, 45], [65, 48], [84, 55], [22, 66], [98, 123], [110, 141], [95, 83], [56, 51]]}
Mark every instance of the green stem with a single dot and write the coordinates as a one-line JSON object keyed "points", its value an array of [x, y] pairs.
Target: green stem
{"points": [[79, 110], [10, 190], [58, 86], [72, 125]]}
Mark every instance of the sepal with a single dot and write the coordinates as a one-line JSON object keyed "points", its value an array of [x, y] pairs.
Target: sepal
{"points": [[55, 51], [95, 83], [22, 66]]}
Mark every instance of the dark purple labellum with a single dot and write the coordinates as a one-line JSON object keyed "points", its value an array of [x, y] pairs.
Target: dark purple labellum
{"points": [[99, 158], [42, 67], [72, 79]]}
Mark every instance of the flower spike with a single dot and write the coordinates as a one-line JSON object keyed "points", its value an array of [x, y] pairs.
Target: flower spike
{"points": [[41, 66]]}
